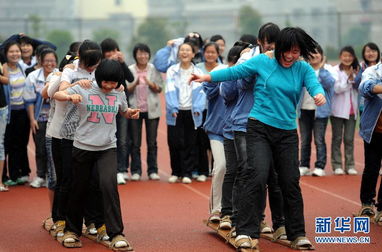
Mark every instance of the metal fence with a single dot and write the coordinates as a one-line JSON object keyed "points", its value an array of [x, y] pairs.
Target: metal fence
{"points": [[331, 29]]}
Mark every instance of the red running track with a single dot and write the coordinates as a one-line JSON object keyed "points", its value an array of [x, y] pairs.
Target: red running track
{"points": [[168, 217]]}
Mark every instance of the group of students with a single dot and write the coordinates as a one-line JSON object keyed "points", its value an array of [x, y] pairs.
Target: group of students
{"points": [[255, 104], [72, 112], [245, 113]]}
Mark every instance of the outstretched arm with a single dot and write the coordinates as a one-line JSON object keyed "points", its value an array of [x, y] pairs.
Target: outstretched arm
{"points": [[319, 99], [200, 78]]}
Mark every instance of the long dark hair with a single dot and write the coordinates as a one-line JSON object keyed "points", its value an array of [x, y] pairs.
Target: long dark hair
{"points": [[7, 46], [350, 50], [234, 53], [90, 53], [373, 47], [269, 32], [70, 55], [294, 36]]}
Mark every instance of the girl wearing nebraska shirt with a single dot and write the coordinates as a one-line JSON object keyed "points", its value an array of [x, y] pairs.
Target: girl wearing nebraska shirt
{"points": [[94, 147]]}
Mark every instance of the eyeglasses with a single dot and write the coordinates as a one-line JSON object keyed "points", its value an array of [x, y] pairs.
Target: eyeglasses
{"points": [[49, 61]]}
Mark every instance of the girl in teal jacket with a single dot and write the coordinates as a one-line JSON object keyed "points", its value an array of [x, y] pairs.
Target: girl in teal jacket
{"points": [[271, 132]]}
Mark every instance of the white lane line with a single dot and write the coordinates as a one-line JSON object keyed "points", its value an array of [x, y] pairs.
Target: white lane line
{"points": [[303, 183], [185, 185], [330, 193], [196, 191]]}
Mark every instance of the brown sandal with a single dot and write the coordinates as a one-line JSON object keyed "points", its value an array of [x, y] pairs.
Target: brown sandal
{"points": [[301, 243], [118, 238], [77, 242], [279, 234]]}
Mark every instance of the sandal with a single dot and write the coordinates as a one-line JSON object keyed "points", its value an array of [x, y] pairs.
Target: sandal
{"points": [[120, 238], [279, 234], [243, 241], [67, 243], [101, 234], [4, 188], [91, 230], [47, 223], [265, 228], [231, 234], [57, 228], [301, 243], [366, 210], [378, 218]]}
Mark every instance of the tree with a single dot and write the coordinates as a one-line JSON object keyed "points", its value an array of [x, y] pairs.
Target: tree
{"points": [[62, 39], [100, 34], [357, 35], [36, 25], [331, 53], [153, 32], [249, 20]]}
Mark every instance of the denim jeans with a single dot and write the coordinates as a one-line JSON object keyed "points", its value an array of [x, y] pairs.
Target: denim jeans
{"points": [[346, 128], [151, 140], [3, 125], [181, 140], [309, 125], [51, 172], [373, 157], [266, 144], [123, 143]]}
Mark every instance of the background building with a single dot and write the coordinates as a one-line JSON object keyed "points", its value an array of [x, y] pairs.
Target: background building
{"points": [[332, 23]]}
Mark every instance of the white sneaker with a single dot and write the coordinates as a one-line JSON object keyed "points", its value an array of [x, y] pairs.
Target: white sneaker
{"points": [[125, 176], [265, 228], [186, 180], [135, 177], [214, 217], [37, 182], [244, 244], [201, 178], [318, 172], [91, 229], [154, 176], [225, 223], [173, 179], [120, 179], [304, 171], [339, 171], [352, 171], [24, 179]]}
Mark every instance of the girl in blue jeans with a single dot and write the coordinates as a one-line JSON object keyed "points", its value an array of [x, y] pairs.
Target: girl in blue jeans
{"points": [[3, 124]]}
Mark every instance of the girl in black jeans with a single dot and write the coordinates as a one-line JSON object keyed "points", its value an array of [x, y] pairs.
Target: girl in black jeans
{"points": [[272, 134]]}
